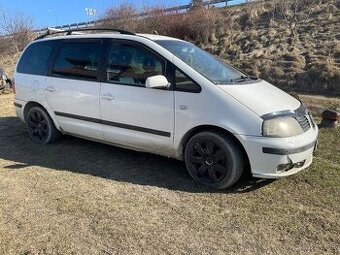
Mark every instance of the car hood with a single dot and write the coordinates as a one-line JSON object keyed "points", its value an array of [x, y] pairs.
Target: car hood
{"points": [[261, 97]]}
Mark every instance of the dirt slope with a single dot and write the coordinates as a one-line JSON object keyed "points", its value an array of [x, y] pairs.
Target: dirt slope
{"points": [[293, 44]]}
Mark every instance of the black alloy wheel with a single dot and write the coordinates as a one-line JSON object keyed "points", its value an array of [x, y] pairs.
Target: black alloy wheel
{"points": [[214, 160], [40, 126], [209, 161]]}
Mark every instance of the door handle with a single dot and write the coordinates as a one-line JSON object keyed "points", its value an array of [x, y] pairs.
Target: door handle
{"points": [[50, 89], [108, 97]]}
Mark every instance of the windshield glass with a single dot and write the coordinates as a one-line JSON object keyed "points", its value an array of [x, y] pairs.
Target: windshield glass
{"points": [[201, 61]]}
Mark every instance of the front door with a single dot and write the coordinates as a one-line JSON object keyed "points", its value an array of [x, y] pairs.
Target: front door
{"points": [[134, 116]]}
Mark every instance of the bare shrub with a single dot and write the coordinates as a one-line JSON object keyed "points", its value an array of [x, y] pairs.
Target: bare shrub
{"points": [[336, 53], [196, 4], [337, 4], [7, 62], [276, 72], [18, 27], [198, 24], [124, 17], [251, 14], [5, 45], [332, 8], [201, 23], [321, 77], [160, 22]]}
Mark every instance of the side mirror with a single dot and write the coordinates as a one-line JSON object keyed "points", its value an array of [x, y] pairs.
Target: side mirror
{"points": [[157, 82]]}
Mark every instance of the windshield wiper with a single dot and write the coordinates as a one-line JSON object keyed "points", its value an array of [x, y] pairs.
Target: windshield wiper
{"points": [[244, 78]]}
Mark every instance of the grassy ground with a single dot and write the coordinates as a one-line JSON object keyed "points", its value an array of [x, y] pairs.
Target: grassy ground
{"points": [[80, 197]]}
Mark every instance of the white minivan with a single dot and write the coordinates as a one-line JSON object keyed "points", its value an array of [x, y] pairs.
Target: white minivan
{"points": [[166, 96]]}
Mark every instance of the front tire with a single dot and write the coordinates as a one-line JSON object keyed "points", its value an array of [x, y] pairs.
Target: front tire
{"points": [[40, 126], [214, 159]]}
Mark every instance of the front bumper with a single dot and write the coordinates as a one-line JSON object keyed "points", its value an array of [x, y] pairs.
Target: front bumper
{"points": [[268, 155]]}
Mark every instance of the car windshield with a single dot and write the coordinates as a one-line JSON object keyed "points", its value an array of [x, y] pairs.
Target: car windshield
{"points": [[204, 63]]}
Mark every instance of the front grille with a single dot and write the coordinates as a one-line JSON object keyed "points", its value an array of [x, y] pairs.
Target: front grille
{"points": [[304, 122], [312, 120]]}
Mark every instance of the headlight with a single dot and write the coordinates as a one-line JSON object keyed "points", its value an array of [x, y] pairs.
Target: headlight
{"points": [[281, 127]]}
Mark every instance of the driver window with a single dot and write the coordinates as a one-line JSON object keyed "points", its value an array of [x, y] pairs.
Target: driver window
{"points": [[131, 65]]}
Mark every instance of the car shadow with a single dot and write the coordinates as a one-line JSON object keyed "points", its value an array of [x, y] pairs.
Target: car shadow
{"points": [[86, 157]]}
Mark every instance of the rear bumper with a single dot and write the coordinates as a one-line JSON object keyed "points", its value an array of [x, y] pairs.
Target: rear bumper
{"points": [[19, 106], [268, 156]]}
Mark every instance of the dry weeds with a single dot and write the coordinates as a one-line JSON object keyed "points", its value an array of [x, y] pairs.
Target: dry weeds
{"points": [[8, 62], [298, 37]]}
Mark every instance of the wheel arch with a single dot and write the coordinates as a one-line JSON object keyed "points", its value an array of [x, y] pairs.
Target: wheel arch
{"points": [[211, 128], [29, 105]]}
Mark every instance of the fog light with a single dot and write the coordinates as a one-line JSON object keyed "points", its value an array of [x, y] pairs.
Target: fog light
{"points": [[289, 166], [299, 164]]}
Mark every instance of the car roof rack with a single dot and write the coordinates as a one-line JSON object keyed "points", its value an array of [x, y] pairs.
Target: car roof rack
{"points": [[53, 31]]}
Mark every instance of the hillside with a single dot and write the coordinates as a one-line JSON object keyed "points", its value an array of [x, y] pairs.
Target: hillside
{"points": [[292, 44], [294, 47]]}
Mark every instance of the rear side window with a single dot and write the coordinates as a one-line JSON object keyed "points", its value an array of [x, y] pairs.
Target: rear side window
{"points": [[35, 59], [77, 60]]}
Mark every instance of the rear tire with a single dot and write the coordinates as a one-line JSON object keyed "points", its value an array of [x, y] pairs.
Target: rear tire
{"points": [[214, 159], [40, 126]]}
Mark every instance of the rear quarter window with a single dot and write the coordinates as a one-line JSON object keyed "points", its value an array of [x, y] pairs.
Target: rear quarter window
{"points": [[35, 59]]}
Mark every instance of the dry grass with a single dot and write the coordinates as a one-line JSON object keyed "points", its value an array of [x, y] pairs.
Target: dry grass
{"points": [[80, 197], [300, 39], [8, 62], [319, 103]]}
